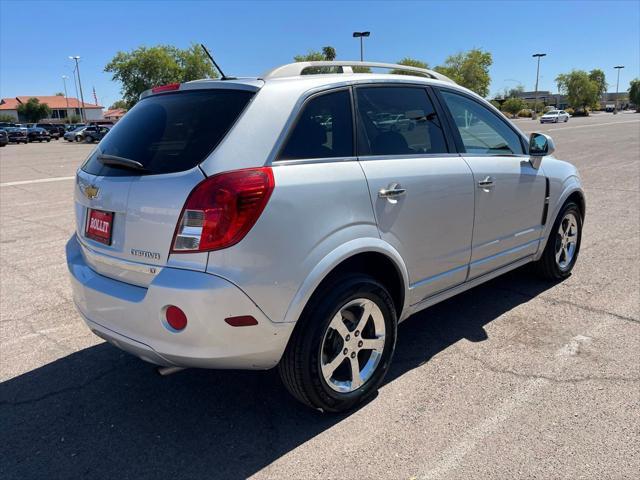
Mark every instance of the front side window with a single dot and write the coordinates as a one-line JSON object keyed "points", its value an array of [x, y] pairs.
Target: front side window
{"points": [[398, 121], [323, 130], [481, 130]]}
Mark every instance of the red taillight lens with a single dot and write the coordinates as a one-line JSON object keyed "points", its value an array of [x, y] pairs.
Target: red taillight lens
{"points": [[176, 318], [222, 209], [166, 88]]}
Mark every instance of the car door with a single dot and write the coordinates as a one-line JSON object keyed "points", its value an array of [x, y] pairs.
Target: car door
{"points": [[422, 193], [509, 195]]}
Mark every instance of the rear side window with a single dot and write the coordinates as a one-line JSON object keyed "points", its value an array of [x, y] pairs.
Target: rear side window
{"points": [[323, 130], [398, 121], [481, 130], [170, 132]]}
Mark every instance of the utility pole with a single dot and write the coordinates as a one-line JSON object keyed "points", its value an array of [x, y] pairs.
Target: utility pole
{"points": [[615, 109], [535, 103], [66, 97], [76, 58], [361, 35]]}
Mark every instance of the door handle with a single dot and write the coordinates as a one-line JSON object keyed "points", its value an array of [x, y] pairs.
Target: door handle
{"points": [[392, 191], [487, 183]]}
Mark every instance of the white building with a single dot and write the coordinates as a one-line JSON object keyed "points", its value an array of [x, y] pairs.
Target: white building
{"points": [[61, 108]]}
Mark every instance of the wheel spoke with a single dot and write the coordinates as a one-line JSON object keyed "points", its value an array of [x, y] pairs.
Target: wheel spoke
{"points": [[366, 313], [356, 380], [559, 255], [329, 368], [373, 344], [338, 325]]}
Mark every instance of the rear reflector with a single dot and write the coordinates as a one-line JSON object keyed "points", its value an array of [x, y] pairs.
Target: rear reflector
{"points": [[243, 321], [176, 318], [222, 209], [166, 88]]}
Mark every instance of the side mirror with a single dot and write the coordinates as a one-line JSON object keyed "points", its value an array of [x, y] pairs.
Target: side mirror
{"points": [[540, 145]]}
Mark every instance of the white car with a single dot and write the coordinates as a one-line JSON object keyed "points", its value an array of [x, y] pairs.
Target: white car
{"points": [[270, 222], [555, 116]]}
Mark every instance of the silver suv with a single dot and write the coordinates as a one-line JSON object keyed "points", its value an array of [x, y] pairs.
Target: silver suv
{"points": [[293, 220]]}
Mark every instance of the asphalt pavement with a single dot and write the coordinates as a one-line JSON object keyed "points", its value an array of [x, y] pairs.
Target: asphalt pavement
{"points": [[518, 378]]}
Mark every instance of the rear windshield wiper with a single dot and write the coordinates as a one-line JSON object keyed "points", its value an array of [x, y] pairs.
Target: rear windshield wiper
{"points": [[115, 161]]}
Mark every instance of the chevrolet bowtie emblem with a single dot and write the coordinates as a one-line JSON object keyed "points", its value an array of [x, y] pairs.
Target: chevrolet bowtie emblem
{"points": [[91, 191]]}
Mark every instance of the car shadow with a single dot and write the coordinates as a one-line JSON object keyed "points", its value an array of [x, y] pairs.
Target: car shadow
{"points": [[101, 413]]}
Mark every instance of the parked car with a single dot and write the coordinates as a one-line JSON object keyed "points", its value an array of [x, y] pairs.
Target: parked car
{"points": [[92, 133], [17, 135], [51, 128], [4, 138], [70, 136], [7, 124], [555, 116], [230, 224], [37, 134]]}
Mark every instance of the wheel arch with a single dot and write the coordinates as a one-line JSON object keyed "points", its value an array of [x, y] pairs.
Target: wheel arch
{"points": [[369, 256]]}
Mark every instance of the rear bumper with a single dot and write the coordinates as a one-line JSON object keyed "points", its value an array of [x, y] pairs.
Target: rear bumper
{"points": [[132, 318]]}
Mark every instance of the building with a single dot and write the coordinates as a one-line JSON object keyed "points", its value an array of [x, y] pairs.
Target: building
{"points": [[115, 114], [61, 107]]}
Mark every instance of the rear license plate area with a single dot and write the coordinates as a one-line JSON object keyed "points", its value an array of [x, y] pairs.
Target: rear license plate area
{"points": [[99, 226]]}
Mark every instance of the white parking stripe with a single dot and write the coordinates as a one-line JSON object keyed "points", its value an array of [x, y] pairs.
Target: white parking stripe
{"points": [[39, 180], [592, 125]]}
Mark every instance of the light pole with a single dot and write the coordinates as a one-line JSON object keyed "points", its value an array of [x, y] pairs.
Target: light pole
{"points": [[76, 58], [361, 35], [535, 103], [619, 67], [75, 84], [66, 97]]}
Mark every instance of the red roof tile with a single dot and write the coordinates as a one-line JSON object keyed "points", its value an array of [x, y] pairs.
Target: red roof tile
{"points": [[54, 101]]}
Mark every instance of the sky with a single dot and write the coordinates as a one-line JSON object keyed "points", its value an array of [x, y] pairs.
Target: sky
{"points": [[248, 38]]}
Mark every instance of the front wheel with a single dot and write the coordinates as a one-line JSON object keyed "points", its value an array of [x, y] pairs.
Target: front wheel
{"points": [[342, 346], [561, 252]]}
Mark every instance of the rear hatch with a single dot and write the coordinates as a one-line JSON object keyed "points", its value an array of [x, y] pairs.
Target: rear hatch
{"points": [[130, 191]]}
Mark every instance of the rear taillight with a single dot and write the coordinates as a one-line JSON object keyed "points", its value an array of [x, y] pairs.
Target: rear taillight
{"points": [[221, 210]]}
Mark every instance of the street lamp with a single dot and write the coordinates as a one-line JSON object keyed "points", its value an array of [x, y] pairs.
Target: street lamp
{"points": [[66, 97], [619, 67], [76, 58], [535, 103], [360, 35]]}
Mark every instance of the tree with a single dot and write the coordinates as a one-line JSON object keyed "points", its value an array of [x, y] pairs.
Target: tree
{"points": [[634, 93], [597, 76], [328, 53], [59, 94], [580, 89], [147, 67], [410, 62], [513, 92], [33, 110], [74, 118], [118, 104], [513, 105], [469, 69]]}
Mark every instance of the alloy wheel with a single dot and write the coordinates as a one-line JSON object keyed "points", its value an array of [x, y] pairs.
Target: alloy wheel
{"points": [[352, 346], [566, 241]]}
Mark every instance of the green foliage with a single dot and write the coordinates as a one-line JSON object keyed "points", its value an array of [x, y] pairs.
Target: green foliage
{"points": [[118, 104], [59, 94], [33, 110], [570, 111], [496, 104], [328, 53], [410, 62], [469, 69], [596, 75], [580, 89], [513, 105], [513, 92], [147, 67], [74, 119], [634, 93], [7, 118], [525, 112]]}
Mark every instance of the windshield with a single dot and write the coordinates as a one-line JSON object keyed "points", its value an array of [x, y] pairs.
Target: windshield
{"points": [[552, 112], [170, 132]]}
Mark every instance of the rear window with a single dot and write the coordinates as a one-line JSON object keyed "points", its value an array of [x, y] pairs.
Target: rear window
{"points": [[171, 132]]}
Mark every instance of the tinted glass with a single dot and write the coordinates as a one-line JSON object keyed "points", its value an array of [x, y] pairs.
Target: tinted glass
{"points": [[481, 130], [323, 130], [170, 132], [397, 121]]}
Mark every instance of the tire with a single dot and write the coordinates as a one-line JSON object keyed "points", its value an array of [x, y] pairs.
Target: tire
{"points": [[554, 263], [566, 120], [315, 343], [78, 139], [48, 140], [88, 139]]}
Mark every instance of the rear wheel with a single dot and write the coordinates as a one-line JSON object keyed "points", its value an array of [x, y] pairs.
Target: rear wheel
{"points": [[563, 246], [342, 346], [88, 139]]}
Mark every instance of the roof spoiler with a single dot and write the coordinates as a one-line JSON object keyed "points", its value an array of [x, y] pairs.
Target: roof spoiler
{"points": [[298, 68]]}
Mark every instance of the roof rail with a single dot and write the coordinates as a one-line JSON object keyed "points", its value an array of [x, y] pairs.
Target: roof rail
{"points": [[298, 68]]}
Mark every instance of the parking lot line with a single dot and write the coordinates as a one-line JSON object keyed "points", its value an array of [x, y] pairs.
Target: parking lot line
{"points": [[38, 180], [592, 125]]}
